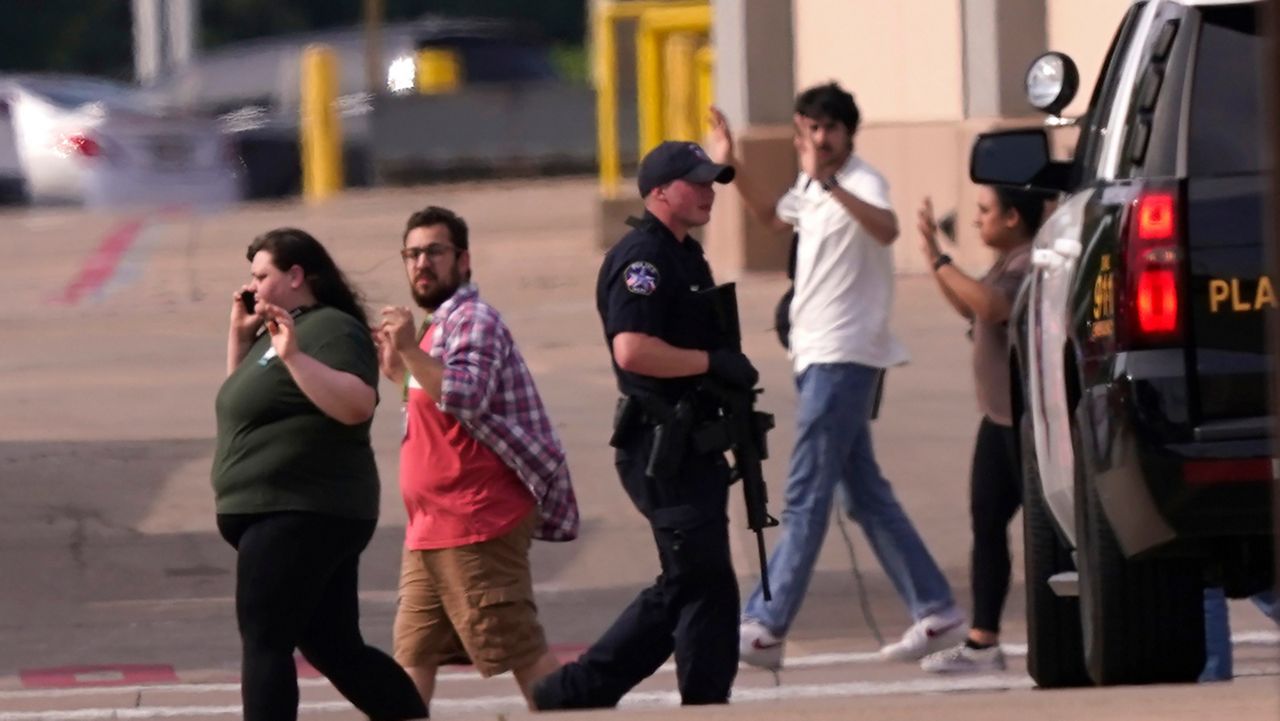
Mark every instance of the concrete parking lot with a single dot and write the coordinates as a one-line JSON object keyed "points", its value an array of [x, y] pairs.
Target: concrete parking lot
{"points": [[113, 346]]}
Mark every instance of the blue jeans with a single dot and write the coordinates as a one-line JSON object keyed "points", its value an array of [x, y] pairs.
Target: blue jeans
{"points": [[833, 448], [1217, 630]]}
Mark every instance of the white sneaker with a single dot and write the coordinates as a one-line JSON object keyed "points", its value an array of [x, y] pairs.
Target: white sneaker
{"points": [[963, 659], [929, 634], [758, 647]]}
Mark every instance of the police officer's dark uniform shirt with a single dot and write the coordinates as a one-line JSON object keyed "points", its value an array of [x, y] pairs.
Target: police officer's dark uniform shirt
{"points": [[649, 284]]}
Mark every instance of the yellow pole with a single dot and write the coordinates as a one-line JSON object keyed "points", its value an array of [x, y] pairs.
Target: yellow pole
{"points": [[321, 128], [656, 21], [649, 86], [606, 72], [604, 16], [704, 61], [680, 117], [439, 70]]}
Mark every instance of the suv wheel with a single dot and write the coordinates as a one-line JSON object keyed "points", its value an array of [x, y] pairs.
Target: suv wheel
{"points": [[1143, 620], [1055, 657]]}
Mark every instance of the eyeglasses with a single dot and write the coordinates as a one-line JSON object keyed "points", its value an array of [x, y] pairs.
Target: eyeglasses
{"points": [[433, 251]]}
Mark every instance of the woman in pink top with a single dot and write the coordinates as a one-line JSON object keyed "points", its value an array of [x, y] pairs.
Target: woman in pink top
{"points": [[1007, 221]]}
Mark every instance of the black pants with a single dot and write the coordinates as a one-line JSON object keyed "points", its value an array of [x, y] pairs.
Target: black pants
{"points": [[296, 588], [692, 607], [995, 493]]}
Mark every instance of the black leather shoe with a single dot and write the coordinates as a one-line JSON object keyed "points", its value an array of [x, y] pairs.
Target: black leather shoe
{"points": [[545, 697]]}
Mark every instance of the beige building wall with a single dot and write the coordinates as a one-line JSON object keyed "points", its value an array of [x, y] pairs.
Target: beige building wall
{"points": [[902, 59], [1083, 29]]}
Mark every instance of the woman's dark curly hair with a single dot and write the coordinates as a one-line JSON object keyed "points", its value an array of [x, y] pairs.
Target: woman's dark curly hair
{"points": [[1028, 204], [289, 247]]}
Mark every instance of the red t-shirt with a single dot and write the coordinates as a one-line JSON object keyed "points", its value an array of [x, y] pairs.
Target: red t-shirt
{"points": [[456, 491]]}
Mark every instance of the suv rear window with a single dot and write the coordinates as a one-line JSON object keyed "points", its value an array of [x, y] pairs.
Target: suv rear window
{"points": [[1226, 94]]}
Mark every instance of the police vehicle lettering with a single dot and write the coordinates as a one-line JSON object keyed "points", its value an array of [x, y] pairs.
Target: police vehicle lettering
{"points": [[1241, 295]]}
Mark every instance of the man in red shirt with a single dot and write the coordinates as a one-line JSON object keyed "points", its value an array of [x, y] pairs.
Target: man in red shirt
{"points": [[481, 471]]}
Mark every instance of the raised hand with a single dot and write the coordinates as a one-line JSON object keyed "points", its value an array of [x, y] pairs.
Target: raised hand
{"points": [[280, 325], [928, 228], [720, 141], [806, 153], [389, 360], [397, 324]]}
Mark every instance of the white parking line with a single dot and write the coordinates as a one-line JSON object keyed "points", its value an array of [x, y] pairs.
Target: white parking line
{"points": [[643, 699], [516, 703], [646, 698]]}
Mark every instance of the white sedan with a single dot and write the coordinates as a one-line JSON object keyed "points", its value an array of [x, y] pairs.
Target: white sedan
{"points": [[68, 139]]}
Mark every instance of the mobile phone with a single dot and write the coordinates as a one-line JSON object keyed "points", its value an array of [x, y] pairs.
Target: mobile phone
{"points": [[247, 301], [947, 224]]}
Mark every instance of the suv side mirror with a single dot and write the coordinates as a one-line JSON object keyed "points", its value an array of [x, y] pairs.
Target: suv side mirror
{"points": [[1052, 82], [1018, 158]]}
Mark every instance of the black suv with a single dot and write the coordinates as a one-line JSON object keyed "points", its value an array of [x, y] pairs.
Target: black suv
{"points": [[1138, 364]]}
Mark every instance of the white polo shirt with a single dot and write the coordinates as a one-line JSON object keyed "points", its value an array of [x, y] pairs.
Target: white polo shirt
{"points": [[844, 276]]}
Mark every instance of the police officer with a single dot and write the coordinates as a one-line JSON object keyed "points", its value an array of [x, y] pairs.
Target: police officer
{"points": [[664, 339]]}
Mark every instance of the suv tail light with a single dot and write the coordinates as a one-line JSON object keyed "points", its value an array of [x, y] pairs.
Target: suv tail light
{"points": [[1152, 270]]}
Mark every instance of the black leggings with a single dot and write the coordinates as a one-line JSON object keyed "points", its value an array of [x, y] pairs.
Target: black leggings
{"points": [[995, 492], [296, 588]]}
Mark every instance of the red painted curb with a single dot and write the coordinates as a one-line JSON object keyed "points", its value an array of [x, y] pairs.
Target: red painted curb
{"points": [[73, 676]]}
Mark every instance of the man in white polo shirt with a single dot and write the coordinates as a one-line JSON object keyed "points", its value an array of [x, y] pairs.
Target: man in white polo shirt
{"points": [[840, 345]]}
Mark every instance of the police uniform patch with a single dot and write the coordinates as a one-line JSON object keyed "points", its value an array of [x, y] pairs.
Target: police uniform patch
{"points": [[641, 278]]}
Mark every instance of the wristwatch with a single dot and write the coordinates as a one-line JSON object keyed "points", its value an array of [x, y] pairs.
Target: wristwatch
{"points": [[830, 183], [942, 260]]}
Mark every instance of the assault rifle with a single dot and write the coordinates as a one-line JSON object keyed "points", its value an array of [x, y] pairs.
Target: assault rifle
{"points": [[744, 427]]}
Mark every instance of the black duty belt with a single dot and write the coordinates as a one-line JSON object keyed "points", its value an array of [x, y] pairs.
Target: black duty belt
{"points": [[689, 424]]}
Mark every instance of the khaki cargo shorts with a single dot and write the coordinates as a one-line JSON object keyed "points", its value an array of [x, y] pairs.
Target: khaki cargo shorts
{"points": [[473, 602]]}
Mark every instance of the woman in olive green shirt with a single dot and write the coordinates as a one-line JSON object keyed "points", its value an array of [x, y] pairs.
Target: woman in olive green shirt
{"points": [[295, 482]]}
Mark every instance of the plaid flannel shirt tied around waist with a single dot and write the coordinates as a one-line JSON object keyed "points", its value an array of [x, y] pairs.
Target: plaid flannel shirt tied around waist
{"points": [[488, 388]]}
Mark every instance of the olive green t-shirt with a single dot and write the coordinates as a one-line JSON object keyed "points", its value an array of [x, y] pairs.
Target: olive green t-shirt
{"points": [[276, 450]]}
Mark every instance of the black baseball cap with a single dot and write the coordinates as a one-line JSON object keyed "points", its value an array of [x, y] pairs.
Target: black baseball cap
{"points": [[679, 160]]}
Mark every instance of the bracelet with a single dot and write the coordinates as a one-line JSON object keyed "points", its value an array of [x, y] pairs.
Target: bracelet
{"points": [[942, 260]]}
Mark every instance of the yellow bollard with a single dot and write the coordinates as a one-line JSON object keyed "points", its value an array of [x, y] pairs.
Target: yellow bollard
{"points": [[439, 71], [680, 116], [649, 87], [321, 128], [656, 24], [666, 16], [605, 70], [704, 60]]}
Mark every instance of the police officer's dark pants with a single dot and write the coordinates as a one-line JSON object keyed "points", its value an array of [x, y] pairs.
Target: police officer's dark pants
{"points": [[692, 607]]}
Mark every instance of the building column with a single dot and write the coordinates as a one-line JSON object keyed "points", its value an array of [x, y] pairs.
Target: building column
{"points": [[148, 50], [1001, 38], [755, 87], [182, 17]]}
